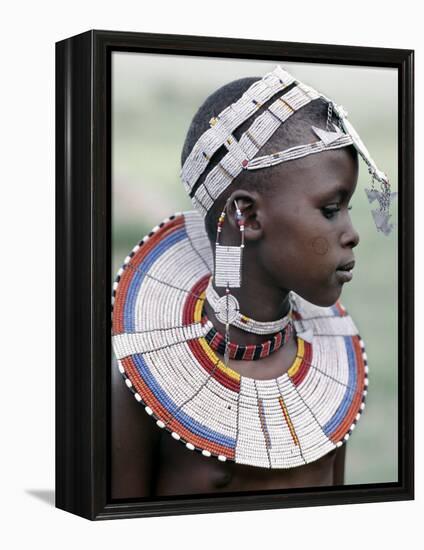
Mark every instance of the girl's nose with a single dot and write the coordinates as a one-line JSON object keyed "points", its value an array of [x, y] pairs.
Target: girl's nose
{"points": [[350, 236]]}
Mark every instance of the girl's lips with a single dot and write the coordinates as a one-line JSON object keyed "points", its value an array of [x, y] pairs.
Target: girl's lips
{"points": [[344, 276], [347, 267]]}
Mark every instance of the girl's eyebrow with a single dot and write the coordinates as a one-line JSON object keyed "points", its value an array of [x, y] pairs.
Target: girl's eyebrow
{"points": [[338, 193]]}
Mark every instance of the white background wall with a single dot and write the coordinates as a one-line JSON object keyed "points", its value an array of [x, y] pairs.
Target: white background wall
{"points": [[29, 31]]}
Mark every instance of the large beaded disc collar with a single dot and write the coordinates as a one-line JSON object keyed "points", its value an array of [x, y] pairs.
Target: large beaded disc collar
{"points": [[159, 342]]}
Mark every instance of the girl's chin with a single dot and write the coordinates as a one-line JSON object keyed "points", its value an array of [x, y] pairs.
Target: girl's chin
{"points": [[323, 299]]}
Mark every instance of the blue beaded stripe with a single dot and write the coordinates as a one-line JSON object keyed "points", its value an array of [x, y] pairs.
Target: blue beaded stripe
{"points": [[342, 409], [335, 311], [139, 275], [172, 408]]}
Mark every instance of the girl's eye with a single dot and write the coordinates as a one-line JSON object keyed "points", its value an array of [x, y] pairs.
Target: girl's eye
{"points": [[331, 210]]}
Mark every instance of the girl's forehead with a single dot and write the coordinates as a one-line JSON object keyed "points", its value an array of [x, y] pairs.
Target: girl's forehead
{"points": [[328, 174]]}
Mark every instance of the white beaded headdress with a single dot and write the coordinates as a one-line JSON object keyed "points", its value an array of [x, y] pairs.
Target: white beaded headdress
{"points": [[241, 153]]}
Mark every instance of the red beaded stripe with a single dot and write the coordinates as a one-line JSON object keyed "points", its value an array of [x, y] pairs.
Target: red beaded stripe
{"points": [[354, 408], [128, 273], [265, 349], [340, 309], [263, 423], [248, 353], [142, 389], [296, 315], [233, 349], [217, 339], [195, 347], [191, 300], [305, 365], [209, 367], [171, 423], [278, 339]]}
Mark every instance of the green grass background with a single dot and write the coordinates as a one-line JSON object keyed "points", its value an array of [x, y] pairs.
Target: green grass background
{"points": [[153, 101]]}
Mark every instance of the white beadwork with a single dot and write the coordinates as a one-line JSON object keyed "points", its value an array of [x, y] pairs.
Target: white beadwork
{"points": [[262, 128], [268, 423], [128, 344], [297, 152], [228, 266], [243, 322], [227, 308], [240, 154], [228, 120]]}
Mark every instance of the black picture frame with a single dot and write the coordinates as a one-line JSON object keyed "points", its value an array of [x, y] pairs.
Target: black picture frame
{"points": [[83, 259]]}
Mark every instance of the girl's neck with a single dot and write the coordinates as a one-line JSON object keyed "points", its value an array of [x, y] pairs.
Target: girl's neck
{"points": [[259, 302]]}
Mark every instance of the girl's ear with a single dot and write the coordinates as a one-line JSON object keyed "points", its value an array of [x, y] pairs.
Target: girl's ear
{"points": [[249, 204]]}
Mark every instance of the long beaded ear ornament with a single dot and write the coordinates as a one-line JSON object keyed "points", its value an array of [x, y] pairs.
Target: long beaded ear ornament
{"points": [[228, 260], [228, 275]]}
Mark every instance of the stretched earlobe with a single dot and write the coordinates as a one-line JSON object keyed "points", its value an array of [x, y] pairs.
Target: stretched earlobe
{"points": [[249, 206]]}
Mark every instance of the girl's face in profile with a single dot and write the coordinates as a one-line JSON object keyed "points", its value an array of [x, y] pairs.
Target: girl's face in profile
{"points": [[309, 236]]}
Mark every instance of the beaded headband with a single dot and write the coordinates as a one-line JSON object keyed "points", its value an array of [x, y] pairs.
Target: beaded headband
{"points": [[241, 154]]}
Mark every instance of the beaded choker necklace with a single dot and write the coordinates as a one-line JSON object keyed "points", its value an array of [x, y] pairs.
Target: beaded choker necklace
{"points": [[244, 322], [160, 345], [249, 352]]}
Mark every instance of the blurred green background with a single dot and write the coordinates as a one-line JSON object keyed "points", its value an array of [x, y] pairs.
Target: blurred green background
{"points": [[153, 101]]}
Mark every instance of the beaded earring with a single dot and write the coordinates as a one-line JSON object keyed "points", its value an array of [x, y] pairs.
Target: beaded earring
{"points": [[228, 260]]}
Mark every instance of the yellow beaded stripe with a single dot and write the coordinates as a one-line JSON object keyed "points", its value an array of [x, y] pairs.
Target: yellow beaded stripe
{"points": [[206, 347], [215, 359], [198, 308], [288, 420], [299, 357], [230, 372]]}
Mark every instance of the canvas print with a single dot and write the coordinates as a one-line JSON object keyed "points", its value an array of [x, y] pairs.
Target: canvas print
{"points": [[254, 276]]}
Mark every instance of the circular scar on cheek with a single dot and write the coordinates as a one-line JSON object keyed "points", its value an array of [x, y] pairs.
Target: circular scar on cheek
{"points": [[320, 246]]}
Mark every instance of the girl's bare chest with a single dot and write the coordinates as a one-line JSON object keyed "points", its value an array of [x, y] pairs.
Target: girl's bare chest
{"points": [[181, 471]]}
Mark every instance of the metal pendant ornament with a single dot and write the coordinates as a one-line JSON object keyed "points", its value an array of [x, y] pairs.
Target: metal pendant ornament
{"points": [[381, 215]]}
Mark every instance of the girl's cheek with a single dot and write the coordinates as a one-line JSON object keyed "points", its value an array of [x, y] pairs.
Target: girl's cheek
{"points": [[320, 246]]}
